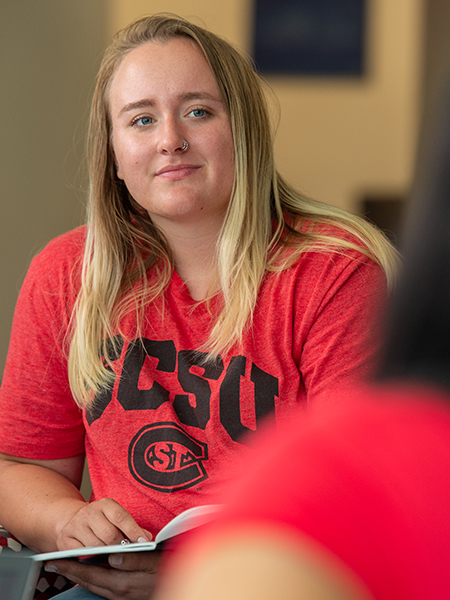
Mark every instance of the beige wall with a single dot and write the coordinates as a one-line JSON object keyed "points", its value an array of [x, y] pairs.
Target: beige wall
{"points": [[49, 56], [229, 18], [338, 139]]}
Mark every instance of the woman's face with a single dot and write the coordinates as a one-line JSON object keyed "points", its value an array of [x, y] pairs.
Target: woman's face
{"points": [[162, 95]]}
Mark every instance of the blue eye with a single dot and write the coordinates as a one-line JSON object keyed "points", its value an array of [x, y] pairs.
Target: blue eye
{"points": [[142, 121], [198, 112]]}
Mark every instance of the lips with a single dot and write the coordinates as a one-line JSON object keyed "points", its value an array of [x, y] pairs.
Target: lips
{"points": [[178, 171]]}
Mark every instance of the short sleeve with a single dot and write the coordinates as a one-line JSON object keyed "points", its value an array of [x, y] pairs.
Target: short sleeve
{"points": [[38, 416], [338, 342]]}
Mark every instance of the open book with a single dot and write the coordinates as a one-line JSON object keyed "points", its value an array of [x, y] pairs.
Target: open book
{"points": [[189, 519]]}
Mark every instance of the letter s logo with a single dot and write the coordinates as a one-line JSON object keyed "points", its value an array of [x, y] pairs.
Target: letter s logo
{"points": [[165, 458]]}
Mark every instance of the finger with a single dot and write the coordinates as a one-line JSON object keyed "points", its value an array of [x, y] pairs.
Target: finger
{"points": [[90, 527], [136, 561], [93, 578], [72, 569], [106, 582], [86, 537], [124, 522]]}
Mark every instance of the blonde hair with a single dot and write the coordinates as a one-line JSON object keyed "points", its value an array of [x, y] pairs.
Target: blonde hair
{"points": [[264, 216]]}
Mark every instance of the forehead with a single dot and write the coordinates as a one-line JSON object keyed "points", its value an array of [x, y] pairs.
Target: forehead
{"points": [[174, 66]]}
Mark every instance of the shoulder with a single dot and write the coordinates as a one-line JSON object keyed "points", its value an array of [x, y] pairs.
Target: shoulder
{"points": [[329, 256], [372, 443], [378, 428], [370, 472], [322, 241], [62, 253], [337, 234], [69, 245], [385, 436], [346, 283], [57, 268], [396, 407]]}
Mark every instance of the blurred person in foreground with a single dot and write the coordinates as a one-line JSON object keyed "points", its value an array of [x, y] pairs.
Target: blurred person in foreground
{"points": [[352, 503]]}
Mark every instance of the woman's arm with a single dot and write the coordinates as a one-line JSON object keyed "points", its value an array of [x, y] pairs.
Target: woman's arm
{"points": [[41, 505], [38, 497]]}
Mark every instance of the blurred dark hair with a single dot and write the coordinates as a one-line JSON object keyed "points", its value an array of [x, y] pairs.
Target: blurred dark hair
{"points": [[418, 327]]}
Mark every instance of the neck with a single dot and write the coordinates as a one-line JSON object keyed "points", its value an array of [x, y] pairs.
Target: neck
{"points": [[194, 249]]}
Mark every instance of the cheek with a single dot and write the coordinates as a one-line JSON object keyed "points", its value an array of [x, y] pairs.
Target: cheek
{"points": [[228, 160], [127, 158], [223, 148], [119, 170], [118, 159]]}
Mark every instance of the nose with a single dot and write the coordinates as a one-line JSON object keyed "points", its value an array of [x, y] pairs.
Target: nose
{"points": [[171, 138]]}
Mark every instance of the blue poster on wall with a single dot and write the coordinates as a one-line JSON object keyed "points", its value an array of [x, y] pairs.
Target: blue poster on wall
{"points": [[309, 37]]}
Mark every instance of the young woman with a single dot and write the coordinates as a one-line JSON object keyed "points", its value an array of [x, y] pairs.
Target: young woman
{"points": [[204, 296]]}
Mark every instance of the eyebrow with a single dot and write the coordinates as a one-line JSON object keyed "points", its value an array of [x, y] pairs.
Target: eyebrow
{"points": [[148, 102]]}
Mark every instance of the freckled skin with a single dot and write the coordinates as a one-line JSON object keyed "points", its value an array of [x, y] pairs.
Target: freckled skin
{"points": [[161, 95]]}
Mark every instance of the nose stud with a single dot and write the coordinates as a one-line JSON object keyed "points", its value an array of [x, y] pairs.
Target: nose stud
{"points": [[185, 146]]}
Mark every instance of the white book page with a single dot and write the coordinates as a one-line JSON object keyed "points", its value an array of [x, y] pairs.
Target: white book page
{"points": [[189, 519], [94, 550]]}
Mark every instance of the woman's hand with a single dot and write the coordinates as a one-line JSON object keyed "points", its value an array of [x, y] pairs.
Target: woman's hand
{"points": [[100, 523], [130, 576]]}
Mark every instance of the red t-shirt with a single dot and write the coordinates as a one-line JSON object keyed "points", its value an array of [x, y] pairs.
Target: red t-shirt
{"points": [[171, 428], [368, 482]]}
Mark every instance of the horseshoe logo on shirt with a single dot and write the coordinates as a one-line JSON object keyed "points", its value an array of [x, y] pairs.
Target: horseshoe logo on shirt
{"points": [[165, 458]]}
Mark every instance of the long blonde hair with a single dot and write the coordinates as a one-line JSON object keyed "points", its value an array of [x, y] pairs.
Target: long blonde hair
{"points": [[264, 215]]}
